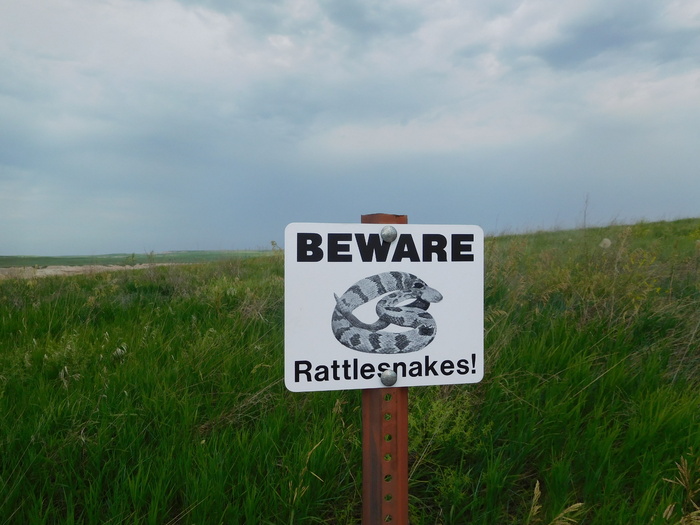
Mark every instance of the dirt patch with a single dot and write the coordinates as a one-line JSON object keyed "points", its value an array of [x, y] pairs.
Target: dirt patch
{"points": [[31, 272]]}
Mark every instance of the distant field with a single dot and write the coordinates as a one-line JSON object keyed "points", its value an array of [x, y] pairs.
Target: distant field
{"points": [[127, 259]]}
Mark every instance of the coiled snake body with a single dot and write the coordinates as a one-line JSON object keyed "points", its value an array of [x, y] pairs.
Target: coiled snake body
{"points": [[400, 287]]}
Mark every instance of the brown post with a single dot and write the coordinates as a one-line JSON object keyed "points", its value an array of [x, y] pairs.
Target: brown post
{"points": [[385, 440]]}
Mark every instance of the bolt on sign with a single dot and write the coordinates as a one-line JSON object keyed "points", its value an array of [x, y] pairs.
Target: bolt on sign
{"points": [[363, 302]]}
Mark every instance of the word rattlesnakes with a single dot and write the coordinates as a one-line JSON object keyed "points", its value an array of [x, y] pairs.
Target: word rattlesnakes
{"points": [[365, 337]]}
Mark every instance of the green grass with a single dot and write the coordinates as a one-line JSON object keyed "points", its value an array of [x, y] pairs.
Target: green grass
{"points": [[156, 396]]}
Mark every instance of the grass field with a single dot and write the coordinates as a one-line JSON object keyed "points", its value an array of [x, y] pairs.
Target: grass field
{"points": [[155, 396]]}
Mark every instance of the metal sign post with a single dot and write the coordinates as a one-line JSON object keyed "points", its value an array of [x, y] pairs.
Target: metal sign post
{"points": [[385, 440]]}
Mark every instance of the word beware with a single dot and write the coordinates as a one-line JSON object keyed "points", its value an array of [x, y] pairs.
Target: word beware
{"points": [[338, 247]]}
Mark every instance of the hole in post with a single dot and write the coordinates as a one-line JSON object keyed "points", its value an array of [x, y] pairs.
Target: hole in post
{"points": [[388, 518], [387, 457], [388, 497], [387, 397], [388, 478], [387, 416], [388, 437]]}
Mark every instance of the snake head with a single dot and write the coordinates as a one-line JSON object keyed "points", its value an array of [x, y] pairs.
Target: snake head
{"points": [[425, 293]]}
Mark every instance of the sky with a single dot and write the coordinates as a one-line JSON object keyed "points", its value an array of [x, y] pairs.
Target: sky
{"points": [[138, 126]]}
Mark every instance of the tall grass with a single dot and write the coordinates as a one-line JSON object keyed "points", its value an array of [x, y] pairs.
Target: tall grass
{"points": [[156, 396]]}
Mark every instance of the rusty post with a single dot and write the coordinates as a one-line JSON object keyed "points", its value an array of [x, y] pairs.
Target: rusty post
{"points": [[385, 440]]}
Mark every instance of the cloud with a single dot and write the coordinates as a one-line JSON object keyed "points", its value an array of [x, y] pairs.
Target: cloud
{"points": [[189, 117], [367, 19]]}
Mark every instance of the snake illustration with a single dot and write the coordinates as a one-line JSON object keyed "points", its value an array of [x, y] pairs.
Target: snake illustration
{"points": [[400, 287]]}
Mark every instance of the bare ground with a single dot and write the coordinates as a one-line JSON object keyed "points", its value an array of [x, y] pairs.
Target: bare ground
{"points": [[30, 272]]}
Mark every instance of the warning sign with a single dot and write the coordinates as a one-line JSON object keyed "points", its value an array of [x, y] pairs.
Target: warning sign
{"points": [[360, 301]]}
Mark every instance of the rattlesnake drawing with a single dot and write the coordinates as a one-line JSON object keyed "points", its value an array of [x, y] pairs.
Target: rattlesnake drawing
{"points": [[370, 338]]}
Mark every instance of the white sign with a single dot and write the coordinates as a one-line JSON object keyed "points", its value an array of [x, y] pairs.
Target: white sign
{"points": [[357, 305]]}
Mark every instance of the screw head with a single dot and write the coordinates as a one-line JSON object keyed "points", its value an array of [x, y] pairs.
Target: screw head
{"points": [[389, 378], [389, 234]]}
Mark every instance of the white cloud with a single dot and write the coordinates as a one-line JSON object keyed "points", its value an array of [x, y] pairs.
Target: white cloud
{"points": [[435, 134], [682, 13], [647, 95]]}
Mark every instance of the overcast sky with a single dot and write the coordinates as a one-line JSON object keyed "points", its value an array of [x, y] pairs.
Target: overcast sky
{"points": [[153, 125]]}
